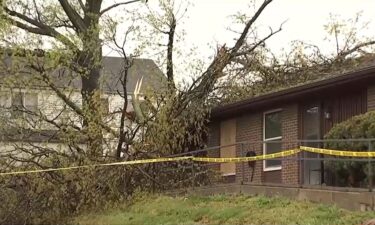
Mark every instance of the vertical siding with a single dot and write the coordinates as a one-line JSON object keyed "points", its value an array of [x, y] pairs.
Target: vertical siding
{"points": [[228, 137], [344, 107], [371, 98]]}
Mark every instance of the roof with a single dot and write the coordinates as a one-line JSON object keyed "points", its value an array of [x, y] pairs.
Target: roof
{"points": [[152, 76], [359, 78]]}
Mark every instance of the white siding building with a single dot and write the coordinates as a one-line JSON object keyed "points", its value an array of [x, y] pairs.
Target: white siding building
{"points": [[41, 100]]}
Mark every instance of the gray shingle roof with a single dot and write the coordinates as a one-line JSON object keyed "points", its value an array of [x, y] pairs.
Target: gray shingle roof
{"points": [[153, 77], [146, 68]]}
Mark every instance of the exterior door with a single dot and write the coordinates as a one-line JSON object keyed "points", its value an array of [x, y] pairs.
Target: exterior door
{"points": [[312, 170], [228, 137]]}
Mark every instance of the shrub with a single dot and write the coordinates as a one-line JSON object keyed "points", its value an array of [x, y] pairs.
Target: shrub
{"points": [[53, 197], [353, 173]]}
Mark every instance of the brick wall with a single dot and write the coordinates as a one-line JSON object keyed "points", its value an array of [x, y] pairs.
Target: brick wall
{"points": [[371, 98], [249, 128], [290, 168]]}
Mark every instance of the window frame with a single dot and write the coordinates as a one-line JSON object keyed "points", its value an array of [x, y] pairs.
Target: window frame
{"points": [[105, 108], [15, 114], [265, 140], [24, 94], [5, 104], [6, 101]]}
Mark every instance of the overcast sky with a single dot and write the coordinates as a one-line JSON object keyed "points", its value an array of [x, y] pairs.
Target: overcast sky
{"points": [[207, 20]]}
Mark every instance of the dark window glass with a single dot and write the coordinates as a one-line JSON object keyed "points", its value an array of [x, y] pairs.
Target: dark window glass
{"points": [[273, 148], [272, 125]]}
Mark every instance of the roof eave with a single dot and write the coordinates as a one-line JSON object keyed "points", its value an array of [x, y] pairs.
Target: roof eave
{"points": [[291, 93]]}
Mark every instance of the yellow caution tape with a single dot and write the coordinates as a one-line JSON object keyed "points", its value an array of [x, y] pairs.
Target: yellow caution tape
{"points": [[206, 159], [144, 161], [338, 152], [247, 159], [141, 161]]}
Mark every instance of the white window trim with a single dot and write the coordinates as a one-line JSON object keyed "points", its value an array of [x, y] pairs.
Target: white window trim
{"points": [[24, 93], [269, 168], [228, 174], [7, 98]]}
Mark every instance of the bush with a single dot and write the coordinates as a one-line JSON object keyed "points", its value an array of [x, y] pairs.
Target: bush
{"points": [[56, 197], [53, 197], [350, 172]]}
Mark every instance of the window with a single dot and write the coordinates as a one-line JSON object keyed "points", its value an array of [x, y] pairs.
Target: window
{"points": [[21, 102], [4, 104], [31, 101], [17, 105], [104, 104], [3, 100], [272, 137]]}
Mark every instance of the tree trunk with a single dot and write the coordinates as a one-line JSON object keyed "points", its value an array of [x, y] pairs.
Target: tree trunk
{"points": [[91, 61]]}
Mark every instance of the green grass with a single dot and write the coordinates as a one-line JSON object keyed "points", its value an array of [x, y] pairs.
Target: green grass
{"points": [[223, 209]]}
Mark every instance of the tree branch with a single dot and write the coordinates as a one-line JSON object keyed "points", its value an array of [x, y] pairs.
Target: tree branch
{"points": [[116, 5], [82, 5], [73, 16], [40, 28], [242, 38], [355, 48], [207, 80], [30, 29], [259, 43], [24, 17], [171, 34], [67, 101]]}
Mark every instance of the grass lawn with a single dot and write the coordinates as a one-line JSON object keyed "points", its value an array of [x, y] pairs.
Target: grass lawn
{"points": [[224, 209]]}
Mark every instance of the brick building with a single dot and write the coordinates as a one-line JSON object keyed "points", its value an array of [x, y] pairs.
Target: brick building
{"points": [[280, 120]]}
